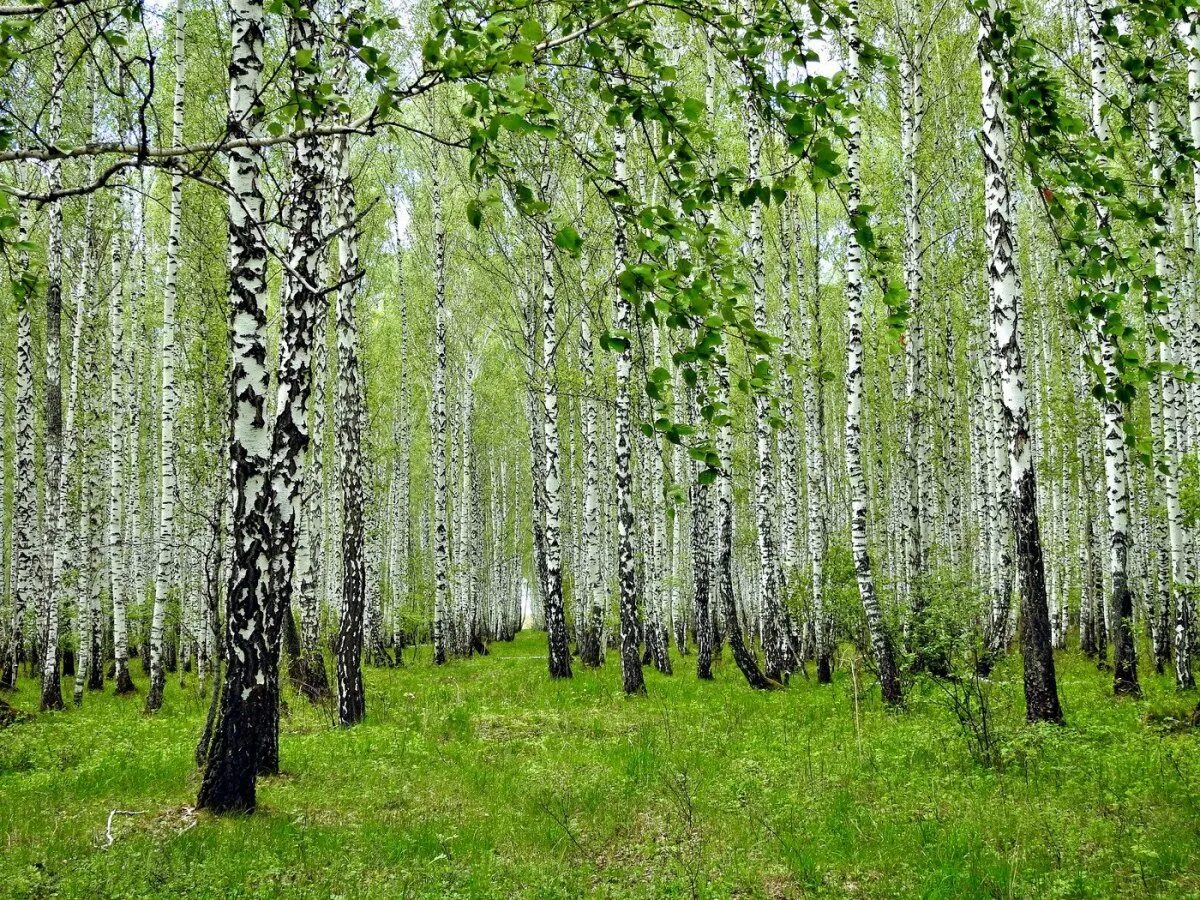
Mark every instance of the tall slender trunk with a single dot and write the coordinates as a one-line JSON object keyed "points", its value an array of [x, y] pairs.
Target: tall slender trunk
{"points": [[776, 648], [1116, 458], [701, 500], [57, 466], [881, 638], [461, 466], [559, 652], [1041, 689], [399, 562], [135, 354], [26, 546], [790, 462], [632, 678], [114, 564], [351, 425], [537, 451], [85, 294], [676, 473], [169, 397], [814, 445], [1174, 576], [592, 587], [911, 117], [441, 549], [701, 573], [1185, 604], [309, 674], [91, 585], [83, 566], [657, 630], [229, 775]]}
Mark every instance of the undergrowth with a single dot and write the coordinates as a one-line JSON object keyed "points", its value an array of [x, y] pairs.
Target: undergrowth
{"points": [[486, 779]]}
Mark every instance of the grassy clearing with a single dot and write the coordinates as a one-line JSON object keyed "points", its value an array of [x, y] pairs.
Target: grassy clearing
{"points": [[486, 779]]}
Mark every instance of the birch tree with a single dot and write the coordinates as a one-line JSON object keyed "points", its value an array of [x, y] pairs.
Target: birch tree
{"points": [[1041, 689], [168, 395], [229, 775], [881, 639]]}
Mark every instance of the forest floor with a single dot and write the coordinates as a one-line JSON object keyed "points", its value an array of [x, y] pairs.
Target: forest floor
{"points": [[486, 779]]}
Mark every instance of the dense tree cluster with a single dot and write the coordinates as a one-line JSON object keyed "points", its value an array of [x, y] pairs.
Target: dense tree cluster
{"points": [[787, 331]]}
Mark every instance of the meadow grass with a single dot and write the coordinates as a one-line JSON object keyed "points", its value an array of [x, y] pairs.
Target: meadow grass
{"points": [[486, 779]]}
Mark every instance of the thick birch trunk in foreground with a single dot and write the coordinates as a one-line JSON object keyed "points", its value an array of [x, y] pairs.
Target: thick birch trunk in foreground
{"points": [[303, 307], [229, 775], [1041, 689]]}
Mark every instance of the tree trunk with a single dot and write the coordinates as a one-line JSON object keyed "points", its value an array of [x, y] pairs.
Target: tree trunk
{"points": [[26, 543], [632, 678], [1116, 459], [303, 307], [229, 775], [814, 444], [776, 648], [556, 623], [351, 424], [58, 451], [441, 548], [591, 585], [169, 397], [881, 638]]}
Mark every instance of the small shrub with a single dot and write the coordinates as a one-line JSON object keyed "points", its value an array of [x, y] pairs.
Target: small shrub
{"points": [[969, 699]]}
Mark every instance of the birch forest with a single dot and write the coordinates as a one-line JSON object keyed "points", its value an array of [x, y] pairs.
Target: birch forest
{"points": [[624, 448]]}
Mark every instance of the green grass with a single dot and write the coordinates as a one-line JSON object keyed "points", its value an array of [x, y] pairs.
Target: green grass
{"points": [[485, 779]]}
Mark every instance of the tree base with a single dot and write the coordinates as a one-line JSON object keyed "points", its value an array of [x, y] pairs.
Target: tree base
{"points": [[52, 698], [308, 677], [154, 698], [124, 683]]}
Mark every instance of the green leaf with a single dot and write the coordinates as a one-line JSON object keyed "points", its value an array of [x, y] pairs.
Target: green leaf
{"points": [[531, 30], [568, 239]]}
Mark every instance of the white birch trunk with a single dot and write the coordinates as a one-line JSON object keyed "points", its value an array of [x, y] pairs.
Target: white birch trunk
{"points": [[441, 550], [556, 623], [881, 640], [168, 393], [1041, 689]]}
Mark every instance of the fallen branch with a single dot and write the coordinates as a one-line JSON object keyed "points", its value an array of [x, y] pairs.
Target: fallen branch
{"points": [[108, 835]]}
